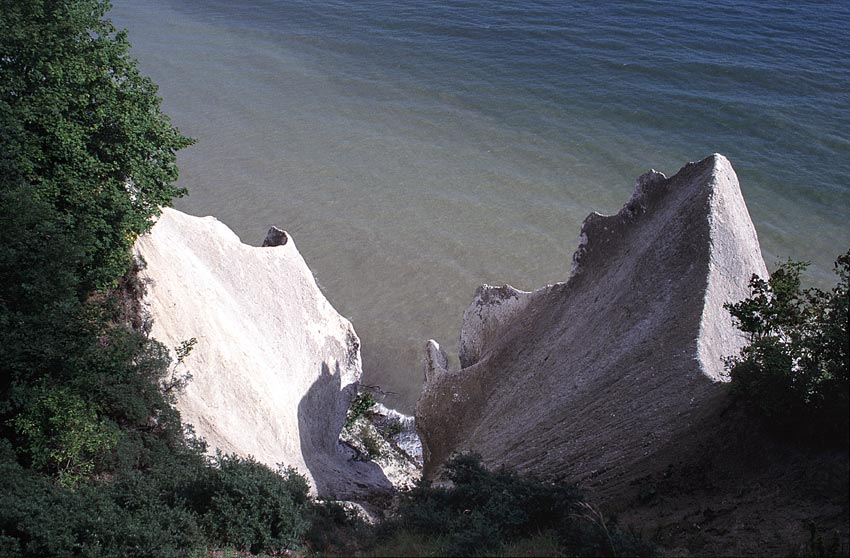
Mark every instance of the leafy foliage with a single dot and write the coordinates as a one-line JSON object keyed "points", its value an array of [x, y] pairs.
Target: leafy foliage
{"points": [[82, 129], [64, 434], [369, 437], [87, 160], [180, 506], [393, 427], [125, 518], [794, 371], [93, 457], [361, 403], [336, 530], [484, 510], [246, 504]]}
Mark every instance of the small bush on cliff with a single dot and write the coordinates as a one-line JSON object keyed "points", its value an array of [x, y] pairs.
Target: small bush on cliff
{"points": [[358, 407], [794, 371]]}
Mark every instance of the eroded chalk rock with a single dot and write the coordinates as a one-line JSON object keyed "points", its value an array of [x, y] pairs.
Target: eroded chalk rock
{"points": [[590, 379], [274, 367], [491, 310]]}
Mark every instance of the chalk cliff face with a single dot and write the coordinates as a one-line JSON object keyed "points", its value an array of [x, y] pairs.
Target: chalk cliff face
{"points": [[590, 379], [275, 366]]}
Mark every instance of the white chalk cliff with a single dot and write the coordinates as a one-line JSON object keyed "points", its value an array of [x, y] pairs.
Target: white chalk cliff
{"points": [[275, 366], [590, 379]]}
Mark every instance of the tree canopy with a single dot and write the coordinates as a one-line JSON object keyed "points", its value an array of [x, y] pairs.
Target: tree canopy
{"points": [[87, 159], [82, 130], [94, 460], [795, 370]]}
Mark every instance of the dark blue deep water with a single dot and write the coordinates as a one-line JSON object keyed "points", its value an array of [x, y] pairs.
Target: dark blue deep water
{"points": [[416, 148]]}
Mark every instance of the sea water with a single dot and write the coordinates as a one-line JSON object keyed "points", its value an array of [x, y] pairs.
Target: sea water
{"points": [[417, 149]]}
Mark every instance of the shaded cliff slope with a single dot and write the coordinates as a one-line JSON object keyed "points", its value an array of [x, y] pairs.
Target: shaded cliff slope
{"points": [[590, 379]]}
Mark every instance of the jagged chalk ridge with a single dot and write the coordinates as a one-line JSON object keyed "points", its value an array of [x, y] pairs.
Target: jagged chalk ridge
{"points": [[589, 379], [275, 366], [491, 310]]}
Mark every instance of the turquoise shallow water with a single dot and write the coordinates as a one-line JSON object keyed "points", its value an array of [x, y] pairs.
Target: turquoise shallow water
{"points": [[418, 149]]}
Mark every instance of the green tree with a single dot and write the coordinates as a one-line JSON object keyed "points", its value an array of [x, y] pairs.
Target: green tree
{"points": [[794, 371], [82, 130], [87, 159], [93, 456]]}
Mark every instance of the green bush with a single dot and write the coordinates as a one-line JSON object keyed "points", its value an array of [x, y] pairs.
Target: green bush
{"points": [[358, 407], [483, 511], [794, 370], [87, 160], [39, 518], [369, 438], [335, 530], [245, 504], [93, 457], [393, 427], [179, 507], [64, 436]]}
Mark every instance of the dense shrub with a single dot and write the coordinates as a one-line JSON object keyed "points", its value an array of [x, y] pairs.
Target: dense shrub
{"points": [[245, 504], [794, 370], [336, 530], [39, 518], [484, 510], [64, 436], [87, 159], [180, 506]]}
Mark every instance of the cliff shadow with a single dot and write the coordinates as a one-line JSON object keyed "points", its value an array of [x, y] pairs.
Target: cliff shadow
{"points": [[321, 415]]}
